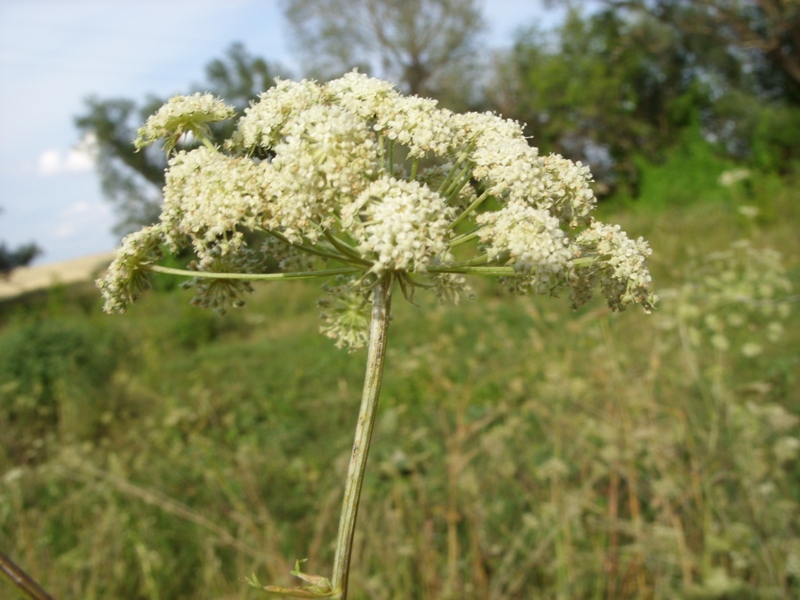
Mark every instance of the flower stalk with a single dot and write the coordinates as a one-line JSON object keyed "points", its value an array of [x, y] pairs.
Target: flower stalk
{"points": [[376, 353]]}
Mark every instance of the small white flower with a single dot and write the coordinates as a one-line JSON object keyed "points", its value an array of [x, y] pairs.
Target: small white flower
{"points": [[451, 288], [221, 293], [786, 449], [733, 176], [751, 349], [751, 212], [345, 314]]}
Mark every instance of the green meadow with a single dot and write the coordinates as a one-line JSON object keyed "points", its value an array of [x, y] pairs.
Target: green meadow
{"points": [[522, 450]]}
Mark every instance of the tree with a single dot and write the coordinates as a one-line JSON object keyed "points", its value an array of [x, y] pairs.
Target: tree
{"points": [[766, 32], [755, 113], [601, 88], [133, 180], [19, 257], [428, 47], [628, 80]]}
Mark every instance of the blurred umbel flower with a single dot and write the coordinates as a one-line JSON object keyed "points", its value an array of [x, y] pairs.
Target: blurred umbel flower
{"points": [[735, 299], [352, 179]]}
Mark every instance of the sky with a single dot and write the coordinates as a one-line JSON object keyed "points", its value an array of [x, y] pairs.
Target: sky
{"points": [[56, 53]]}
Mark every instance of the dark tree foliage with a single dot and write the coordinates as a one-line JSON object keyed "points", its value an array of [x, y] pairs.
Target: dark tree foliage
{"points": [[601, 88], [755, 114], [626, 79], [765, 34], [18, 257], [133, 180]]}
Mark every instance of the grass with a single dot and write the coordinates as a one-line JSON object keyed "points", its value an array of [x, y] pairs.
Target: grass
{"points": [[522, 450]]}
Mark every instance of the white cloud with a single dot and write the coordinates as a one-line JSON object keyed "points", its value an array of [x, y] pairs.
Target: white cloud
{"points": [[79, 207], [49, 162], [75, 160]]}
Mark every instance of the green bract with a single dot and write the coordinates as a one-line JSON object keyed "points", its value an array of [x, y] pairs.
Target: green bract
{"points": [[353, 178]]}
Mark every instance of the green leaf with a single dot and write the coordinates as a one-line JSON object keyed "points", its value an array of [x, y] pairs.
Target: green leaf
{"points": [[317, 585]]}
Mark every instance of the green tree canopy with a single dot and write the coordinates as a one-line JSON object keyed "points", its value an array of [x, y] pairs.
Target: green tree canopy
{"points": [[18, 257], [765, 33], [627, 79], [601, 88], [756, 93]]}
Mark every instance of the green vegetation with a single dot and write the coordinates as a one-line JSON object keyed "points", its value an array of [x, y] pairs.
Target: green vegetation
{"points": [[521, 451]]}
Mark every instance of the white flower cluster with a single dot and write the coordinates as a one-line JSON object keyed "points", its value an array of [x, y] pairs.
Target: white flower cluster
{"points": [[182, 115], [221, 293], [735, 299], [355, 174], [262, 124], [324, 159], [530, 240], [619, 267], [208, 196], [344, 311], [126, 277], [733, 176], [403, 224]]}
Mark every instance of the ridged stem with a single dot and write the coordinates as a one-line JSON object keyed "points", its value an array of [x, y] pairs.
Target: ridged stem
{"points": [[379, 327], [21, 580]]}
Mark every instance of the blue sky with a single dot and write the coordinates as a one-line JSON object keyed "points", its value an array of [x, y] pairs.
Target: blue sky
{"points": [[56, 53]]}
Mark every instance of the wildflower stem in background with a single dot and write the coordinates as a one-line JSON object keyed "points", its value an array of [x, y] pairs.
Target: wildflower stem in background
{"points": [[353, 181]]}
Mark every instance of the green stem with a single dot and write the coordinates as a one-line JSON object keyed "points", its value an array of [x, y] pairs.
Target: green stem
{"points": [[379, 326], [208, 143], [414, 167], [21, 580], [455, 168], [463, 239], [478, 201], [253, 276], [345, 249], [390, 164], [459, 181], [474, 262], [467, 270], [306, 248]]}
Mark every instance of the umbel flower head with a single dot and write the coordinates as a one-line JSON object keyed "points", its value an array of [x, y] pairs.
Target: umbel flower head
{"points": [[351, 178]]}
